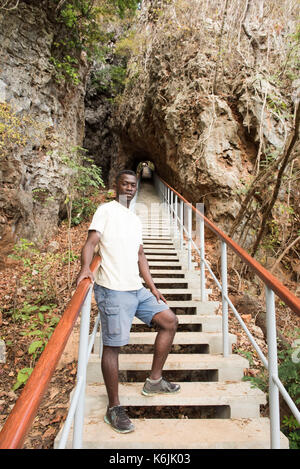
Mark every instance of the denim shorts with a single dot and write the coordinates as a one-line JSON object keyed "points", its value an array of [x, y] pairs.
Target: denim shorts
{"points": [[118, 308]]}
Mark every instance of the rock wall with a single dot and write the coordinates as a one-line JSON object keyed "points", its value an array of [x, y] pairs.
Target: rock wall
{"points": [[48, 115], [100, 139], [203, 142]]}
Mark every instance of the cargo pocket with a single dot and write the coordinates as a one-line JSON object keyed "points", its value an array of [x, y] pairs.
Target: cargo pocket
{"points": [[113, 319]]}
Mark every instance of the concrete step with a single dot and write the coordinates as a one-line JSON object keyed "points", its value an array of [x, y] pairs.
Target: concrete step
{"points": [[202, 307], [158, 273], [161, 251], [208, 323], [192, 292], [229, 368], [162, 257], [171, 281], [179, 283], [154, 220], [167, 292], [157, 239], [212, 339], [155, 263], [180, 434], [167, 247], [155, 223], [157, 229], [154, 230], [157, 242], [243, 400], [156, 233], [156, 226]]}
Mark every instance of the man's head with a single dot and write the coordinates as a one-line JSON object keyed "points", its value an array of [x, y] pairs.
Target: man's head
{"points": [[126, 185]]}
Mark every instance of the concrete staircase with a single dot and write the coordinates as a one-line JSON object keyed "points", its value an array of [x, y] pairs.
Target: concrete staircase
{"points": [[214, 409]]}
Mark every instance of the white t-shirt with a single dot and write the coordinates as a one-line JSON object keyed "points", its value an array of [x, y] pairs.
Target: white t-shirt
{"points": [[120, 238]]}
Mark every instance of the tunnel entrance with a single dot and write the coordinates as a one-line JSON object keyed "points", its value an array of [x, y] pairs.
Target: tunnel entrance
{"points": [[145, 170]]}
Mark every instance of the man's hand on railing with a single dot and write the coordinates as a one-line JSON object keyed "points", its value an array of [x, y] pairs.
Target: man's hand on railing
{"points": [[85, 273]]}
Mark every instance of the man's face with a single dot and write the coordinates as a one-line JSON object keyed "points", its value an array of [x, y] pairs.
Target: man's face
{"points": [[127, 186]]}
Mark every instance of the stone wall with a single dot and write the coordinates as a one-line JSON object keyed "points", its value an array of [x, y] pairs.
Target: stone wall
{"points": [[34, 182]]}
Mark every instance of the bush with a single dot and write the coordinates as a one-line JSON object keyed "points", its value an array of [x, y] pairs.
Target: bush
{"points": [[289, 375]]}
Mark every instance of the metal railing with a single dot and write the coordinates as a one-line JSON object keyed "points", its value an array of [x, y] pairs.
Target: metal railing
{"points": [[76, 409], [20, 419], [170, 198]]}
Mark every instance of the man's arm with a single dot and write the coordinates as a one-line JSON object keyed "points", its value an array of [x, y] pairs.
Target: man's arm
{"points": [[87, 255], [145, 273]]}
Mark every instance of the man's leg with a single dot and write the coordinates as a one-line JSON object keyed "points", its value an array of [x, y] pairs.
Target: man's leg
{"points": [[115, 323], [115, 415], [110, 371], [167, 322]]}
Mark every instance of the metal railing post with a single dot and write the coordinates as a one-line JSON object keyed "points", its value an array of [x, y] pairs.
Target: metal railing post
{"points": [[81, 370], [166, 199], [181, 223], [273, 369], [189, 237], [224, 300], [176, 215], [202, 263], [171, 209]]}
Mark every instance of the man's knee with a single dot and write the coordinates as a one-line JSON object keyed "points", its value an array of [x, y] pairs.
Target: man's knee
{"points": [[166, 320]]}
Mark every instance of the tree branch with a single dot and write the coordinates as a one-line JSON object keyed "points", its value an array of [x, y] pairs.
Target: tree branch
{"points": [[286, 155], [284, 253]]}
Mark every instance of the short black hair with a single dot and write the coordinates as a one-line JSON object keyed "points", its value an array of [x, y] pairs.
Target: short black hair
{"points": [[125, 171]]}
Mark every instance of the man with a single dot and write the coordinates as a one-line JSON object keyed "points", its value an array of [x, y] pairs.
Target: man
{"points": [[120, 295]]}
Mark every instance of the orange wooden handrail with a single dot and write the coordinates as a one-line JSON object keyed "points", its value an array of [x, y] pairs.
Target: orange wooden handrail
{"points": [[284, 293], [21, 417]]}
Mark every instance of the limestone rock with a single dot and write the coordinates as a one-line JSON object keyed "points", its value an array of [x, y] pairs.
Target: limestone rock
{"points": [[51, 116]]}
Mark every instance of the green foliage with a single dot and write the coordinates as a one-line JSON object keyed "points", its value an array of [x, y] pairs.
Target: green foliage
{"points": [[129, 44], [36, 312], [82, 209], [289, 375], [85, 180], [82, 33], [15, 129], [291, 428], [85, 173], [123, 5], [66, 69], [110, 79], [271, 155], [22, 377]]}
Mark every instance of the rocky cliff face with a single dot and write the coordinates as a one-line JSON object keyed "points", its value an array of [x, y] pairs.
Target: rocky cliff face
{"points": [[198, 113], [199, 102], [45, 117]]}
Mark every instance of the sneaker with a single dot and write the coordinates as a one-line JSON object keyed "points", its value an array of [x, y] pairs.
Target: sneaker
{"points": [[117, 418], [162, 387]]}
